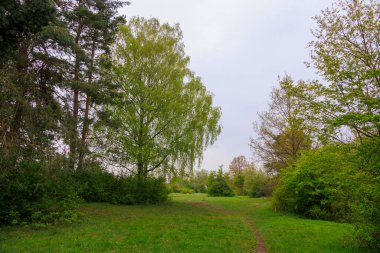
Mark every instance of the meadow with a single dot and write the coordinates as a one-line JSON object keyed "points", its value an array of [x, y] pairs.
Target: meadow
{"points": [[187, 223]]}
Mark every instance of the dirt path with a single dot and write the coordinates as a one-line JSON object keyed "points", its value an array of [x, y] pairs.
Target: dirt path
{"points": [[260, 244]]}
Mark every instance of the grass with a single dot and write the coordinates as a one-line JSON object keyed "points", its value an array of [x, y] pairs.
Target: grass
{"points": [[189, 223]]}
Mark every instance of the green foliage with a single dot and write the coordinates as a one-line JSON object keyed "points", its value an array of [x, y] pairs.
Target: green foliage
{"points": [[195, 182], [367, 206], [259, 186], [19, 19], [345, 53], [199, 181], [186, 191], [178, 188], [320, 185], [217, 184], [98, 185], [238, 184], [282, 131], [245, 179], [163, 116], [37, 192]]}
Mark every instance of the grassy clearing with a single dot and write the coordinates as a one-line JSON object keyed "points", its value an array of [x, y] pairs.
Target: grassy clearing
{"points": [[176, 227], [190, 223], [285, 233]]}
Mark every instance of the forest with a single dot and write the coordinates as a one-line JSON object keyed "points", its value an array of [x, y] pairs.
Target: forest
{"points": [[101, 114]]}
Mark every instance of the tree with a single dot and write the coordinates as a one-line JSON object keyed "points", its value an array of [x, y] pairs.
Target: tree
{"points": [[321, 185], [34, 46], [258, 185], [345, 51], [92, 25], [282, 132], [218, 184], [103, 24], [163, 116], [199, 181], [31, 73], [240, 170], [20, 19], [237, 165]]}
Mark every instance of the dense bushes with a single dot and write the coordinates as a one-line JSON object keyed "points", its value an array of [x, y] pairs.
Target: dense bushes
{"points": [[260, 186], [218, 184], [98, 185], [319, 186], [340, 183], [36, 192], [368, 195], [180, 185]]}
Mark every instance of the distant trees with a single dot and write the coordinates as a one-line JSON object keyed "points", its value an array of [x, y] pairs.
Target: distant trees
{"points": [[218, 184], [237, 165], [163, 116], [199, 181], [246, 179]]}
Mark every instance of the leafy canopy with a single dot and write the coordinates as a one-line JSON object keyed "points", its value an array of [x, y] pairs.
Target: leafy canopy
{"points": [[163, 116]]}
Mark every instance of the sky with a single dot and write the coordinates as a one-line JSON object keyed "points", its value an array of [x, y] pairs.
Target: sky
{"points": [[239, 48]]}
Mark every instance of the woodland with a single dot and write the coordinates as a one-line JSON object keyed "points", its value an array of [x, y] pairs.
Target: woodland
{"points": [[96, 108]]}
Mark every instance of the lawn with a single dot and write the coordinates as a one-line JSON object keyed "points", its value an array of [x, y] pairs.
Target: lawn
{"points": [[188, 223]]}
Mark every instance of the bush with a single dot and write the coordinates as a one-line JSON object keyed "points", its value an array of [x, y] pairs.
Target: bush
{"points": [[258, 185], [218, 185], [98, 185], [37, 192], [180, 186], [186, 190], [238, 184], [199, 181], [320, 185], [367, 206]]}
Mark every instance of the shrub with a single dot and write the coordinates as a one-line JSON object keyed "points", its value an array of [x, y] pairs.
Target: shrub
{"points": [[218, 186], [98, 185], [320, 185], [180, 186], [238, 184], [367, 206], [37, 192], [258, 185], [199, 181], [184, 190]]}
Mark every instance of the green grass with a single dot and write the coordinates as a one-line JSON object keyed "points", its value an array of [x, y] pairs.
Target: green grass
{"points": [[189, 223]]}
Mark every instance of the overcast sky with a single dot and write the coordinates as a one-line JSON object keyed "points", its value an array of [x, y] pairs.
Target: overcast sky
{"points": [[239, 48]]}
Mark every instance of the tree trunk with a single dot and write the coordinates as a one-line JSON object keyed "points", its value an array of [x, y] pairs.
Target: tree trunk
{"points": [[86, 122], [74, 126]]}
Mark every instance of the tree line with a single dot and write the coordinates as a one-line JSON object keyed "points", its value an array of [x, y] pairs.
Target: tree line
{"points": [[243, 178]]}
